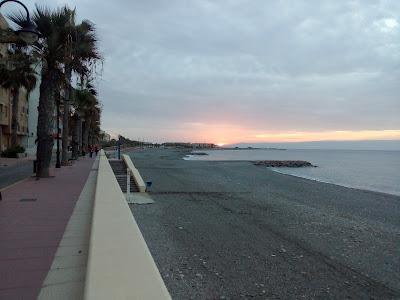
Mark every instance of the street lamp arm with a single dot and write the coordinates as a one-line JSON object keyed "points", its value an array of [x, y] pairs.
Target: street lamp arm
{"points": [[28, 31], [19, 2]]}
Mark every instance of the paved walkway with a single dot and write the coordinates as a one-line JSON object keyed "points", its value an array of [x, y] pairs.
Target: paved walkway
{"points": [[7, 162], [15, 172], [33, 217]]}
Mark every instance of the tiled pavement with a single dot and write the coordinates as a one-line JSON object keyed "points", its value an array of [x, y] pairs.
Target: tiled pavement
{"points": [[31, 230]]}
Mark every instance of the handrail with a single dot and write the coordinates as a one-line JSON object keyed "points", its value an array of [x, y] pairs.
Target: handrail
{"points": [[135, 173], [120, 265]]}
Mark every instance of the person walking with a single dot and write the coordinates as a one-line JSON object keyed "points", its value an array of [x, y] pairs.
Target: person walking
{"points": [[91, 151]]}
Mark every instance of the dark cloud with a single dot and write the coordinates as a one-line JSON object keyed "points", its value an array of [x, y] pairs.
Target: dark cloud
{"points": [[259, 65]]}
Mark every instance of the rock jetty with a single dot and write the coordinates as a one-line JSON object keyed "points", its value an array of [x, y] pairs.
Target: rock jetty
{"points": [[284, 163]]}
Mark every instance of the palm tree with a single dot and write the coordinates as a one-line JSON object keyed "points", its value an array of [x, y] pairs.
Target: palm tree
{"points": [[53, 25], [17, 74], [87, 108], [80, 54]]}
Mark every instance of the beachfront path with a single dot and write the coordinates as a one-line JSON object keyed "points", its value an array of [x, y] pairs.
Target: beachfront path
{"points": [[233, 230], [33, 217]]}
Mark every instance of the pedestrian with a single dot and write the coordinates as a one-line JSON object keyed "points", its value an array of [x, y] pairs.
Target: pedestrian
{"points": [[96, 149], [91, 150]]}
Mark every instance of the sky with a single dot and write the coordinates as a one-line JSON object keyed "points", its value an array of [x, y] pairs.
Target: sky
{"points": [[247, 71]]}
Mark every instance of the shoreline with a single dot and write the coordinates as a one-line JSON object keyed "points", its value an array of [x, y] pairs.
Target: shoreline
{"points": [[273, 169], [364, 186], [185, 153], [335, 184]]}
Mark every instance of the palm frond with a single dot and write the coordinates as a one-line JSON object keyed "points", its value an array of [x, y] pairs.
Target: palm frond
{"points": [[18, 72]]}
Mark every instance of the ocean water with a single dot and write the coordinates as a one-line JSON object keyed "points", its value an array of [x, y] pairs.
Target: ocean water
{"points": [[363, 169]]}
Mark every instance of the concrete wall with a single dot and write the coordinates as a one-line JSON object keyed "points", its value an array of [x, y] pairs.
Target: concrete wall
{"points": [[120, 265], [136, 175]]}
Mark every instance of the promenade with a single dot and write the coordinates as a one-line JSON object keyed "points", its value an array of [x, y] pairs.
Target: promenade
{"points": [[33, 217]]}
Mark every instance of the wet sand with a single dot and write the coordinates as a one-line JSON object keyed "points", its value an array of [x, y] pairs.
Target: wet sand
{"points": [[229, 230]]}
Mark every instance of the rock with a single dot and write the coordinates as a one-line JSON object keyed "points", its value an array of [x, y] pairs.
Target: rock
{"points": [[283, 163]]}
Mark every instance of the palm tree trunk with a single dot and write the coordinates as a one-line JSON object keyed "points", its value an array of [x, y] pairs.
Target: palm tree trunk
{"points": [[45, 126], [65, 132], [80, 127], [86, 136], [75, 137], [14, 117]]}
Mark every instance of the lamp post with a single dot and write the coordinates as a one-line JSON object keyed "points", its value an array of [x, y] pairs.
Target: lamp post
{"points": [[58, 163], [119, 147], [28, 33]]}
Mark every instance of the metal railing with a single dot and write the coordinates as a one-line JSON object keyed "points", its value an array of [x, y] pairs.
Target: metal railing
{"points": [[128, 185]]}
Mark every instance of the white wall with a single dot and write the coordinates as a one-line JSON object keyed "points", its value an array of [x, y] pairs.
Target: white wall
{"points": [[29, 141]]}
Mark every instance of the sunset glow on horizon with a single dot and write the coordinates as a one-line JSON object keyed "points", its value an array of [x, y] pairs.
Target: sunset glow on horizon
{"points": [[339, 135], [223, 137], [224, 134]]}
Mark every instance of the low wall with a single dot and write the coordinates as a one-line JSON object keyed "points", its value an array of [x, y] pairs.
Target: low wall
{"points": [[136, 175], [120, 265]]}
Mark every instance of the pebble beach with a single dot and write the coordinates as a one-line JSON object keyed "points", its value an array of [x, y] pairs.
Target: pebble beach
{"points": [[231, 230]]}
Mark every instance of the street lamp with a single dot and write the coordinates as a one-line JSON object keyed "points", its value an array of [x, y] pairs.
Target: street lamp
{"points": [[28, 33], [58, 163]]}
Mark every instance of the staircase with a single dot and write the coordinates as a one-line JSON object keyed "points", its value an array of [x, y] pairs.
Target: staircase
{"points": [[119, 169]]}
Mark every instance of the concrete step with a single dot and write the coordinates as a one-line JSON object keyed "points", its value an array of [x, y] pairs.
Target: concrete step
{"points": [[119, 169]]}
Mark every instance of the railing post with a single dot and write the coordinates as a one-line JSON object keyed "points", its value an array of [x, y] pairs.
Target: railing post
{"points": [[128, 184]]}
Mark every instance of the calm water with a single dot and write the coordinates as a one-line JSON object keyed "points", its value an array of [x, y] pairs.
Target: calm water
{"points": [[369, 170]]}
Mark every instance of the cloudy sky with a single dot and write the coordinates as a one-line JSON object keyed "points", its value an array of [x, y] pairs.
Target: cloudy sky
{"points": [[250, 71]]}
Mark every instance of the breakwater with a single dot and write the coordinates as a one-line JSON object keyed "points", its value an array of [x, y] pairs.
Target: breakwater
{"points": [[284, 163]]}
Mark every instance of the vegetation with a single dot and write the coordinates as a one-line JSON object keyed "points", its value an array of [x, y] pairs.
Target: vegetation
{"points": [[81, 55], [12, 152], [87, 117], [126, 142], [64, 49]]}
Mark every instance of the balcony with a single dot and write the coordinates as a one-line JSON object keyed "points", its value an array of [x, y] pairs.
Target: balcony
{"points": [[3, 118]]}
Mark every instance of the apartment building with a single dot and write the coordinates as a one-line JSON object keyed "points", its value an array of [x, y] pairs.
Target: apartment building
{"points": [[6, 106], [5, 120], [5, 100], [29, 141]]}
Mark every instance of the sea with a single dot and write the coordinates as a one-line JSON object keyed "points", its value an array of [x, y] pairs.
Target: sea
{"points": [[374, 170]]}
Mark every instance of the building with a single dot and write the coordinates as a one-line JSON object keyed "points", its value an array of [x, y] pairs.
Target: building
{"points": [[6, 105], [203, 145], [176, 145], [5, 99], [29, 141], [5, 120]]}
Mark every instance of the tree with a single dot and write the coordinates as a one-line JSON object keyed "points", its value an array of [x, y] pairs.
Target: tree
{"points": [[81, 54], [17, 73], [53, 25], [87, 108], [64, 48]]}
